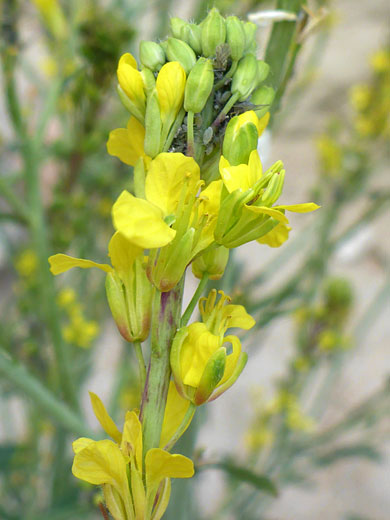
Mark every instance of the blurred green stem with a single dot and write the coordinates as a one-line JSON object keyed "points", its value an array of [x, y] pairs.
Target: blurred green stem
{"points": [[194, 300], [18, 375]]}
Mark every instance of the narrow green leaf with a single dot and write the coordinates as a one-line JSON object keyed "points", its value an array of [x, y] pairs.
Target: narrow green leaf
{"points": [[364, 451]]}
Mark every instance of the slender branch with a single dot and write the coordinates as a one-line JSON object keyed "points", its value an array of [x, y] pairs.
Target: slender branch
{"points": [[141, 363], [42, 397], [194, 300], [182, 428]]}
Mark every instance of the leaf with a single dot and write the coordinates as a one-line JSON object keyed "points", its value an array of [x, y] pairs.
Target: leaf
{"points": [[364, 451], [261, 482]]}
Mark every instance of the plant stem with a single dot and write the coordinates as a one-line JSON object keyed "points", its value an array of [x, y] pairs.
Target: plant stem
{"points": [[141, 364], [190, 134], [165, 321], [42, 396], [194, 300], [228, 75], [221, 116], [183, 425]]}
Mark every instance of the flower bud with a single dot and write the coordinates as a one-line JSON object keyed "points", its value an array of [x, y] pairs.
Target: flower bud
{"points": [[241, 137], [245, 78], [250, 29], [213, 262], [235, 37], [213, 32], [151, 55], [178, 50], [199, 85], [177, 25], [263, 95], [192, 34], [152, 125], [149, 80], [262, 71]]}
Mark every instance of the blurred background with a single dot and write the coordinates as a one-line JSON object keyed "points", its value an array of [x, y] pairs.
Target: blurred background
{"points": [[304, 433]]}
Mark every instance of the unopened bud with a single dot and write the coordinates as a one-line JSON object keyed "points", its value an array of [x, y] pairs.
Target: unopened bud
{"points": [[235, 37], [192, 34], [245, 78], [262, 71], [212, 263], [152, 125], [263, 95], [199, 85], [250, 29], [149, 80], [151, 55], [240, 138], [178, 50], [213, 32], [177, 25]]}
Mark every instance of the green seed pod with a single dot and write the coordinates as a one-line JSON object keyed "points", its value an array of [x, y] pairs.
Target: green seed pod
{"points": [[152, 125], [213, 32], [240, 140], [235, 37], [212, 262], [263, 95], [192, 34], [151, 55], [199, 85], [177, 25], [245, 78], [178, 50], [262, 71], [250, 29]]}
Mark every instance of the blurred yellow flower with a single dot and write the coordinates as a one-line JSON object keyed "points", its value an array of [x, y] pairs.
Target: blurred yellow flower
{"points": [[27, 263]]}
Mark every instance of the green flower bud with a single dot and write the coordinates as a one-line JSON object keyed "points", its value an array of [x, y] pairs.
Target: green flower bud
{"points": [[235, 37], [177, 25], [192, 34], [213, 32], [212, 375], [180, 51], [240, 140], [263, 95], [262, 71], [199, 85], [245, 78], [152, 125], [148, 79], [213, 262], [250, 29], [151, 55]]}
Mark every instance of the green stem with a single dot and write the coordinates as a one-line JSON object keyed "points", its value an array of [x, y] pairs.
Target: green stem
{"points": [[141, 363], [14, 201], [190, 134], [174, 128], [194, 300], [183, 425], [41, 396], [221, 116], [228, 75], [165, 321]]}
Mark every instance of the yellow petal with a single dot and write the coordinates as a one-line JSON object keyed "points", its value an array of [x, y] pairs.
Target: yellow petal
{"points": [[81, 443], [243, 176], [130, 80], [196, 351], [175, 410], [170, 85], [271, 212], [101, 462], [255, 167], [160, 464], [247, 117], [167, 175], [231, 359], [263, 123], [300, 208], [141, 222], [276, 237], [132, 439], [60, 263], [122, 253], [105, 420], [236, 316], [127, 143]]}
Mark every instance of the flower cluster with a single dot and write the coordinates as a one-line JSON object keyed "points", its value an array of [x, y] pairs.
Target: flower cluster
{"points": [[197, 107]]}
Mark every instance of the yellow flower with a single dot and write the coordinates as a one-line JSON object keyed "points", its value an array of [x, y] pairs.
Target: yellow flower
{"points": [[380, 60], [27, 263], [170, 86], [130, 484], [128, 289], [132, 85], [203, 368], [127, 143], [246, 211]]}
